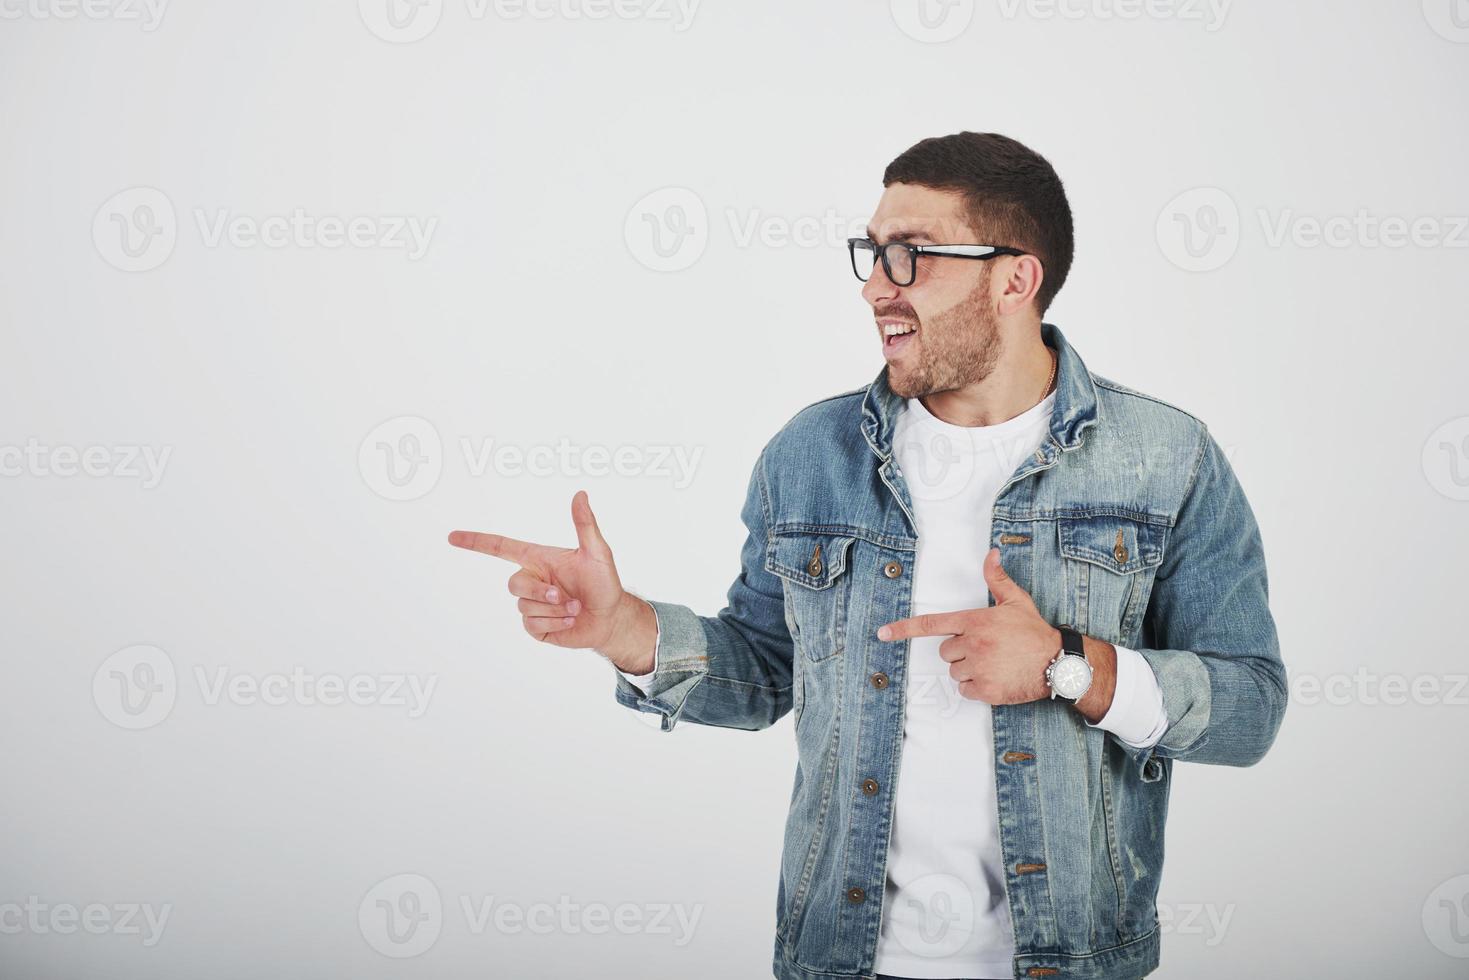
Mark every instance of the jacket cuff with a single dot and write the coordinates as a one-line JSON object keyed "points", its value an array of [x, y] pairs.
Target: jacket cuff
{"points": [[681, 659]]}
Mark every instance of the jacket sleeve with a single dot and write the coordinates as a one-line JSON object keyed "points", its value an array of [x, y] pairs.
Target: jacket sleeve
{"points": [[1208, 633], [733, 669]]}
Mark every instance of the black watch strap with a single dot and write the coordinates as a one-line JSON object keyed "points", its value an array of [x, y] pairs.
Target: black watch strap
{"points": [[1071, 641]]}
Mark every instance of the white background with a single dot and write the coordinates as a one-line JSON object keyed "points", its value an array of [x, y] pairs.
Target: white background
{"points": [[538, 313]]}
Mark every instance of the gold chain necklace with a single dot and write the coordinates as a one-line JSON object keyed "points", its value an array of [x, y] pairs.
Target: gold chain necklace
{"points": [[1051, 380]]}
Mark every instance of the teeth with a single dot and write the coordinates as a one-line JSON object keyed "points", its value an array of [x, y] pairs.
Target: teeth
{"points": [[893, 329]]}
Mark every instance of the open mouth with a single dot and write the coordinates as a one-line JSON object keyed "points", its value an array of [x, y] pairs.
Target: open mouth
{"points": [[896, 335]]}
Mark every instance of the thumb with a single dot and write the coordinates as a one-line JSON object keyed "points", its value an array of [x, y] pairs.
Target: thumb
{"points": [[1002, 586], [588, 535]]}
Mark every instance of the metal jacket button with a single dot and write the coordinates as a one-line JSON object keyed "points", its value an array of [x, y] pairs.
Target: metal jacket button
{"points": [[856, 896], [813, 567], [892, 569], [879, 680], [1119, 550], [869, 787]]}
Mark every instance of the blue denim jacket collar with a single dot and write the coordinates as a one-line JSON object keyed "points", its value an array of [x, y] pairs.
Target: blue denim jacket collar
{"points": [[1076, 403]]}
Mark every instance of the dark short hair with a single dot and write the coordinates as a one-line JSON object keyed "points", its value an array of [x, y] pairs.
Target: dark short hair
{"points": [[1013, 195]]}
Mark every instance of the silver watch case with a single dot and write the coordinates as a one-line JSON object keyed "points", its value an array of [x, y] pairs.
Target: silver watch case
{"points": [[1069, 671]]}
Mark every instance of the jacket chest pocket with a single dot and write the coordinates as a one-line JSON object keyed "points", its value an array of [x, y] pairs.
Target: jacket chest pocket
{"points": [[818, 585], [1109, 564]]}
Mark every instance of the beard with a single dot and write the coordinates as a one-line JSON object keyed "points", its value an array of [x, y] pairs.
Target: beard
{"points": [[956, 348]]}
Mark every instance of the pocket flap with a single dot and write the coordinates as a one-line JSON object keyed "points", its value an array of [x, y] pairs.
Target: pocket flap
{"points": [[1118, 544], [810, 559]]}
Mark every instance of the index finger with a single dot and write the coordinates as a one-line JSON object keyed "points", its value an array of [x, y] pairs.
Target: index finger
{"points": [[925, 624], [498, 545]]}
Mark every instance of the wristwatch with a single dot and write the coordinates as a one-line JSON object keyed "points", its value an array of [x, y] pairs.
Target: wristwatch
{"points": [[1069, 676]]}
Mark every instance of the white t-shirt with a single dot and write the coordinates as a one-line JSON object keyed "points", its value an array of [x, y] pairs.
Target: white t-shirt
{"points": [[944, 909]]}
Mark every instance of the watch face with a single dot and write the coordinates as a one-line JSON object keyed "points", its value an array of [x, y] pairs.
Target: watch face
{"points": [[1071, 676]]}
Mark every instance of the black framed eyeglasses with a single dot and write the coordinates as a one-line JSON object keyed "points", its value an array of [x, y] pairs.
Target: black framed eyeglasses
{"points": [[900, 259]]}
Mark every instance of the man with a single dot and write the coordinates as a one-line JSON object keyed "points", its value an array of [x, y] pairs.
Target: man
{"points": [[1000, 594]]}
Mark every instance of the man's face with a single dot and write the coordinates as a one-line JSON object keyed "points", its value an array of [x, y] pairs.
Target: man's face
{"points": [[956, 341]]}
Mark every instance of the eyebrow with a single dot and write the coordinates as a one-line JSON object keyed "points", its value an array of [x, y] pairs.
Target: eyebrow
{"points": [[902, 236]]}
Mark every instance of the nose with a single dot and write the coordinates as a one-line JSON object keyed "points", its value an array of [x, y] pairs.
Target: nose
{"points": [[879, 287]]}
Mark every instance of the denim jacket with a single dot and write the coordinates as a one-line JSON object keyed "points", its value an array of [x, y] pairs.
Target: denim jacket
{"points": [[1127, 523]]}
